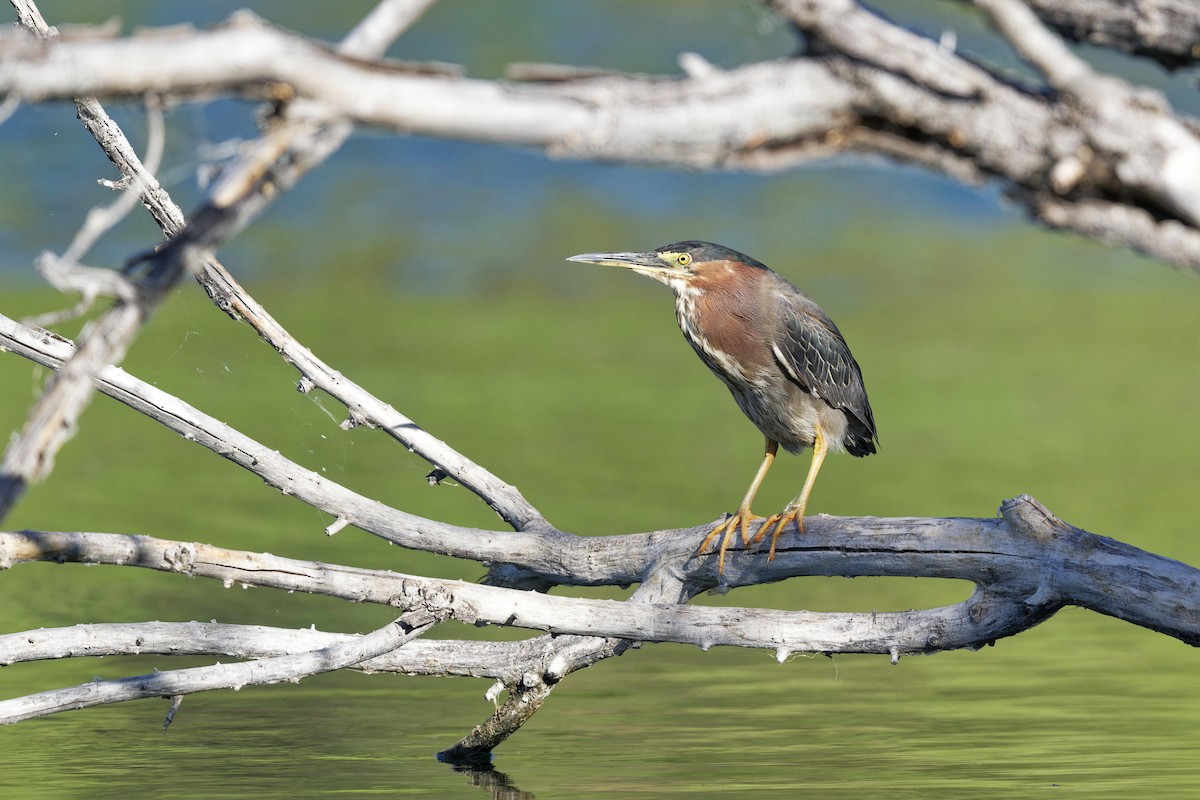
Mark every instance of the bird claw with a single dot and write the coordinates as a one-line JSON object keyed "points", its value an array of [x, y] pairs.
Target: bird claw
{"points": [[740, 519], [779, 521]]}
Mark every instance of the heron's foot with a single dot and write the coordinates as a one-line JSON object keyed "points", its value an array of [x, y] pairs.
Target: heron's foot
{"points": [[780, 521], [740, 520]]}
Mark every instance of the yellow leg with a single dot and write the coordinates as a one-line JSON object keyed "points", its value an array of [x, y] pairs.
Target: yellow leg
{"points": [[743, 516], [795, 509]]}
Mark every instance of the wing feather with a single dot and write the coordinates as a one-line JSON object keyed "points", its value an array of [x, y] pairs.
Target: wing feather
{"points": [[814, 355]]}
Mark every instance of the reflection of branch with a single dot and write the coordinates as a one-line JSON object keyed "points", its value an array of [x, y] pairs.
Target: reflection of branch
{"points": [[484, 776]]}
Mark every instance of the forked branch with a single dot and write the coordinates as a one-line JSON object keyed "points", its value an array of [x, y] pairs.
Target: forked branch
{"points": [[1026, 565], [1081, 150]]}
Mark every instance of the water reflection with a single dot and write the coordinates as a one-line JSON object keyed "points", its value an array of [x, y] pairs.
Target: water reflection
{"points": [[486, 777]]}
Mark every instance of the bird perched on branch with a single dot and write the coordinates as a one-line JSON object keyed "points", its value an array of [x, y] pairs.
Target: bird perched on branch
{"points": [[783, 359]]}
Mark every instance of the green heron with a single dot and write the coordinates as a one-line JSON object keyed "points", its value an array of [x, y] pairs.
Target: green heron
{"points": [[783, 359]]}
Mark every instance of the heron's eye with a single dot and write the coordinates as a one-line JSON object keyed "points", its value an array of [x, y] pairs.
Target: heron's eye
{"points": [[683, 259]]}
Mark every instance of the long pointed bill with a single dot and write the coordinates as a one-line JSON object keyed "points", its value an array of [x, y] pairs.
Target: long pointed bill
{"points": [[645, 263]]}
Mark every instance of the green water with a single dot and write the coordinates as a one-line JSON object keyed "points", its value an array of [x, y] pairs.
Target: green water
{"points": [[1071, 376]]}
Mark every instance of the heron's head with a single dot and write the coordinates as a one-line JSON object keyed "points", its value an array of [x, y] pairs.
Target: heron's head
{"points": [[678, 265]]}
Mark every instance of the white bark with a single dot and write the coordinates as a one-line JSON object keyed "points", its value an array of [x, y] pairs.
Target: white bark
{"points": [[875, 87], [1163, 30], [1084, 152]]}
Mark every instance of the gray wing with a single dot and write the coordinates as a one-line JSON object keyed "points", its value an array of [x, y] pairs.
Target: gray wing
{"points": [[813, 355]]}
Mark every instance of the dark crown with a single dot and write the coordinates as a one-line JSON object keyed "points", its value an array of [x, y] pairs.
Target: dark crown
{"points": [[707, 251]]}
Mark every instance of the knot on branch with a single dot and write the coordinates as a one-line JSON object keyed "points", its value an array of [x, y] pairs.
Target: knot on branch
{"points": [[1028, 516], [355, 419], [434, 599], [511, 576], [181, 557]]}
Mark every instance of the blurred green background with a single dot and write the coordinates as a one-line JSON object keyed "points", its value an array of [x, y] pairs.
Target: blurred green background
{"points": [[1000, 359]]}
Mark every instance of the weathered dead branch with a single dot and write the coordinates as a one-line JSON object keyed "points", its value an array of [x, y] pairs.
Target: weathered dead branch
{"points": [[243, 192], [876, 87], [1083, 151], [1025, 565]]}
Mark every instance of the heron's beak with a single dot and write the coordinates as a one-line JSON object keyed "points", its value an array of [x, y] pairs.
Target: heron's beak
{"points": [[645, 263]]}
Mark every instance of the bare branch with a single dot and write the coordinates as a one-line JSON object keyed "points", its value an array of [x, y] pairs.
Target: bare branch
{"points": [[551, 556], [66, 274], [875, 88], [101, 220], [365, 408], [273, 468], [1152, 152], [52, 421], [1041, 48], [503, 661], [1082, 151], [521, 704], [219, 676], [370, 37], [851, 29], [1166, 31], [1026, 566]]}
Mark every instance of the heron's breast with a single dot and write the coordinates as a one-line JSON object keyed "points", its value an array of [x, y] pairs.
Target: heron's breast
{"points": [[723, 333]]}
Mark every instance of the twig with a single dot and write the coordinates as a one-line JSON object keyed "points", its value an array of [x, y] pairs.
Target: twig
{"points": [[101, 219], [66, 274], [52, 421], [364, 407], [275, 469], [372, 37]]}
